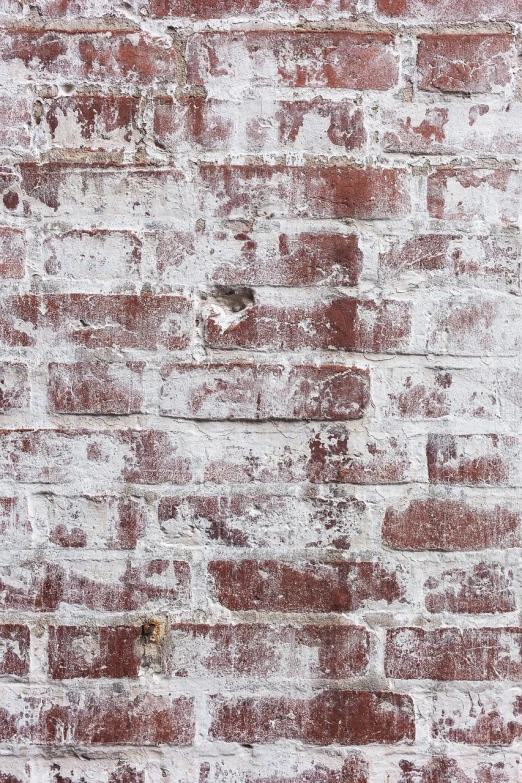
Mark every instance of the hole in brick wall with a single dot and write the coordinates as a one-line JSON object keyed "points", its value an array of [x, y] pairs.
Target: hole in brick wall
{"points": [[150, 631], [233, 299]]}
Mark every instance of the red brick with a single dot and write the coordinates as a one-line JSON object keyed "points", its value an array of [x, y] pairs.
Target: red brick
{"points": [[127, 56], [83, 651], [99, 254], [262, 391], [344, 324], [97, 720], [451, 525], [354, 769], [465, 63], [193, 120], [465, 194], [96, 387], [360, 61], [454, 654], [12, 253], [440, 129], [257, 125], [441, 768], [332, 717], [335, 456], [484, 589], [473, 459], [127, 774], [307, 587], [90, 521], [91, 121], [222, 8], [451, 11], [14, 387], [263, 520], [346, 123], [487, 723], [14, 650], [96, 320], [6, 777], [312, 651], [114, 193], [305, 191], [135, 456], [111, 587]]}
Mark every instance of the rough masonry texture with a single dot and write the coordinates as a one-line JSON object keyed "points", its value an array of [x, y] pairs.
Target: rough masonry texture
{"points": [[260, 391]]}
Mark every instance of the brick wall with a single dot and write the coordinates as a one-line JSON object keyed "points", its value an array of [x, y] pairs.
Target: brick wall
{"points": [[260, 382]]}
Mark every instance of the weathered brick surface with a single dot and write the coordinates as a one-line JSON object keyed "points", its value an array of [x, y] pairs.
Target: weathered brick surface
{"points": [[295, 59], [359, 717], [260, 651], [464, 63], [255, 391], [451, 654], [260, 391]]}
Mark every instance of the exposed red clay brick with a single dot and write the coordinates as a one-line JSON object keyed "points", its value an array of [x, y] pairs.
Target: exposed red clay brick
{"points": [[344, 324], [464, 63], [307, 191], [450, 525], [70, 651], [149, 720], [485, 588], [452, 654], [97, 320], [129, 586], [96, 387], [333, 717], [472, 459], [306, 587], [95, 57]]}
